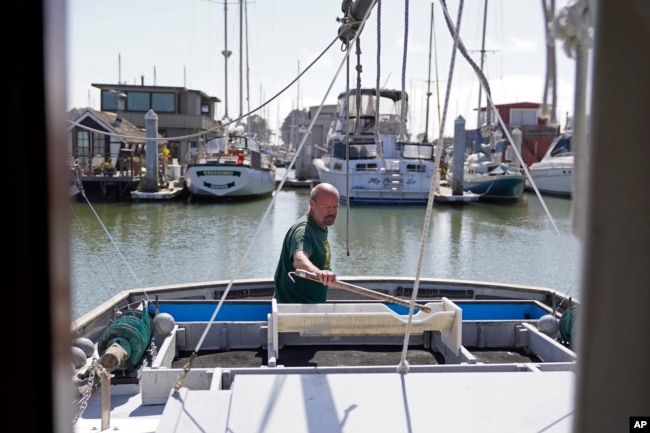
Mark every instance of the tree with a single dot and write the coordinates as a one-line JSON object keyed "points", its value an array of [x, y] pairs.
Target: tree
{"points": [[258, 127], [289, 131]]}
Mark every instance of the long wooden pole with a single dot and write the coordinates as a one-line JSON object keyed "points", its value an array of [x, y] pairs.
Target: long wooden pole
{"points": [[363, 291]]}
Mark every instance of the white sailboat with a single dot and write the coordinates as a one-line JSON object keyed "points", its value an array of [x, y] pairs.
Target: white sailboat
{"points": [[232, 165], [483, 172]]}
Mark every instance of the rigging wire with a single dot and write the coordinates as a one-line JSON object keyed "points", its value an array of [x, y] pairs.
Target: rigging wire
{"points": [[82, 193], [403, 364], [378, 144], [425, 138], [435, 45], [572, 26], [222, 125], [101, 223], [402, 133], [548, 111], [224, 295]]}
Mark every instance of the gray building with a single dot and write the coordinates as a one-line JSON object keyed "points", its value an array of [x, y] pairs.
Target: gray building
{"points": [[181, 112]]}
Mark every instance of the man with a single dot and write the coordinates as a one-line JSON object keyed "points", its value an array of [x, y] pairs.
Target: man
{"points": [[306, 247]]}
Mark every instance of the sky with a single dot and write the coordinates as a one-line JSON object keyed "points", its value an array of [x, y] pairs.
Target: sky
{"points": [[179, 43]]}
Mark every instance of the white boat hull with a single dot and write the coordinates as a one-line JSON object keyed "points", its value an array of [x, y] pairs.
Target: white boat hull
{"points": [[228, 180], [553, 177], [378, 181]]}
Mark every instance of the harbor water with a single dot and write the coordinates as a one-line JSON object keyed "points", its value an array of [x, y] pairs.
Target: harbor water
{"points": [[117, 246]]}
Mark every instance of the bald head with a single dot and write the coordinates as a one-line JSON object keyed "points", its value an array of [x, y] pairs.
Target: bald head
{"points": [[323, 190], [324, 204]]}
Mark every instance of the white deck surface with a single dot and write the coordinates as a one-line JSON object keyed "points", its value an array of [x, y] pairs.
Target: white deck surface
{"points": [[370, 402]]}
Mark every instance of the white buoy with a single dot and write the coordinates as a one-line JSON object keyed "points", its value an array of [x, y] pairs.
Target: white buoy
{"points": [[163, 324], [549, 325]]}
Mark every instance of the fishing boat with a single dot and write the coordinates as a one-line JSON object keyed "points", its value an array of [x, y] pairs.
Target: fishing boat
{"points": [[368, 158], [553, 175], [571, 393], [223, 356], [229, 167]]}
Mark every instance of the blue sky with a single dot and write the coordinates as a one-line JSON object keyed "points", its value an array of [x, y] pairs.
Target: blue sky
{"points": [[180, 43]]}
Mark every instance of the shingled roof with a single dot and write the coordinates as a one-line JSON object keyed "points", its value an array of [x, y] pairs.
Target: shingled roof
{"points": [[111, 123]]}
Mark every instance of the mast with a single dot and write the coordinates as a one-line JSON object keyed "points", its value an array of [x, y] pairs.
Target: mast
{"points": [[226, 53], [248, 70], [241, 63], [478, 115], [426, 117]]}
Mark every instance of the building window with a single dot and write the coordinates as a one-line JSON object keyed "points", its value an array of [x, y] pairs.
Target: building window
{"points": [[205, 108], [137, 101], [81, 149], [109, 100], [163, 102], [523, 116]]}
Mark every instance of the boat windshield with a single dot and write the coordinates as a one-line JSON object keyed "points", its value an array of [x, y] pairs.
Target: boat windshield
{"points": [[388, 107], [244, 142], [217, 145], [562, 146]]}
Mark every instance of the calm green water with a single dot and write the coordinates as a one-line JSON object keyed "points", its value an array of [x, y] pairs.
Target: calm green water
{"points": [[116, 246]]}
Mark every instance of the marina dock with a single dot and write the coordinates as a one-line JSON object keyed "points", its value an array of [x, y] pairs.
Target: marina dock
{"points": [[174, 190]]}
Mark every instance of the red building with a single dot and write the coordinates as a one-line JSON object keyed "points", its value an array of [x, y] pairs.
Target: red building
{"points": [[537, 133]]}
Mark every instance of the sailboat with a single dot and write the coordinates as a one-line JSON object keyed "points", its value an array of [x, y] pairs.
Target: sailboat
{"points": [[613, 359], [483, 172], [231, 165]]}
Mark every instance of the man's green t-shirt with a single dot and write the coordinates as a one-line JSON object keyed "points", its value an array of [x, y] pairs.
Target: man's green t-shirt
{"points": [[305, 236]]}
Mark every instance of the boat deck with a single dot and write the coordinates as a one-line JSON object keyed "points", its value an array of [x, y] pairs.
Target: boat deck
{"points": [[284, 400], [337, 367]]}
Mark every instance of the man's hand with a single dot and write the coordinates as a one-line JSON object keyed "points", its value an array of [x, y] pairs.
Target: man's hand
{"points": [[328, 278]]}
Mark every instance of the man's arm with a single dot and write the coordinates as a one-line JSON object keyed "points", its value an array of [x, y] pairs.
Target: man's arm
{"points": [[301, 261]]}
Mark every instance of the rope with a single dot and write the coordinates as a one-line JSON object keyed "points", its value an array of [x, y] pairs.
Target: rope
{"points": [[347, 150], [436, 179], [274, 196], [403, 367], [402, 132], [549, 111], [378, 143], [571, 25], [403, 364]]}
